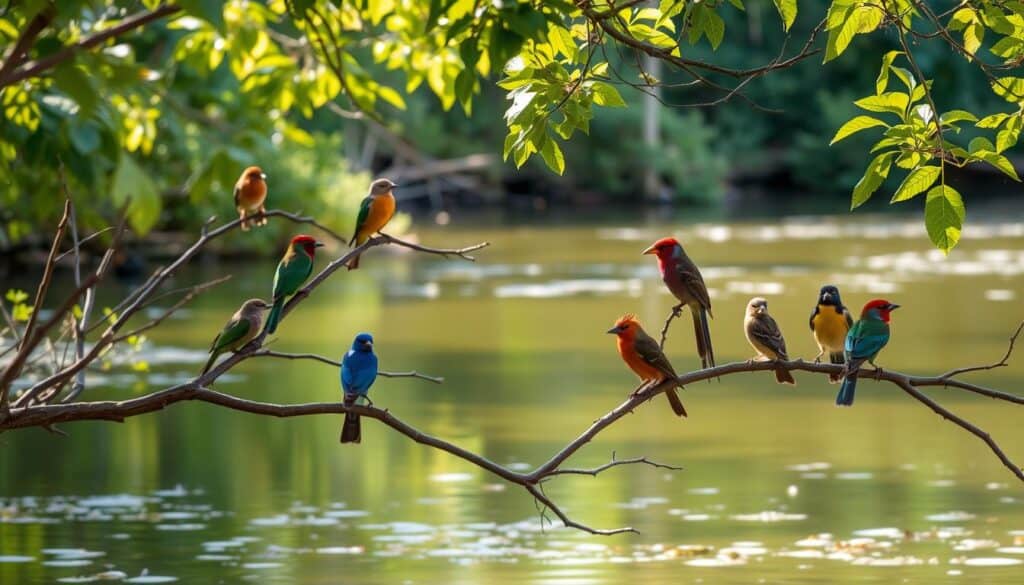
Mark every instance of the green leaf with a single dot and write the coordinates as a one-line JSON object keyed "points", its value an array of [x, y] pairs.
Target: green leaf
{"points": [[883, 74], [787, 10], [1009, 88], [1008, 136], [917, 182], [553, 156], [714, 28], [992, 121], [133, 186], [873, 178], [957, 116], [211, 11], [944, 215], [855, 125], [892, 102], [607, 95], [1000, 162]]}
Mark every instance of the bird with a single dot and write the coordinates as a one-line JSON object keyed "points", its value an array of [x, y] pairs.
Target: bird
{"points": [[866, 338], [830, 322], [240, 330], [643, 355], [358, 372], [376, 210], [293, 270], [683, 279], [764, 336], [250, 193]]}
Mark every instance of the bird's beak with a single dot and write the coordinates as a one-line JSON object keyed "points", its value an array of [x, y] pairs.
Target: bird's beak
{"points": [[893, 307], [318, 244], [761, 310], [614, 330], [826, 297], [650, 250], [370, 343], [263, 176]]}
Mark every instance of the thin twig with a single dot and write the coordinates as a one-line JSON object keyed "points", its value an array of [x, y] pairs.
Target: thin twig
{"points": [[1001, 363], [337, 364], [676, 312], [192, 293]]}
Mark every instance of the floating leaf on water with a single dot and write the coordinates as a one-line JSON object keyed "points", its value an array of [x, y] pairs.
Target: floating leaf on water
{"points": [[992, 562], [110, 576]]}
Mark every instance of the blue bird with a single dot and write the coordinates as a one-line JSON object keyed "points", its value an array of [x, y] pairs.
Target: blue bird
{"points": [[358, 372], [866, 338]]}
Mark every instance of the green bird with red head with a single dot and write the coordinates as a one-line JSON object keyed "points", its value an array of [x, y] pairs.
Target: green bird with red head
{"points": [[292, 272]]}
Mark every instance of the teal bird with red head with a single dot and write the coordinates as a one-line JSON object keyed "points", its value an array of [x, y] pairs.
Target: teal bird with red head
{"points": [[866, 338]]}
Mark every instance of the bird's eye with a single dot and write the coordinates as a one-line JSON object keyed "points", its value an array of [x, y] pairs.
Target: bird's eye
{"points": [[625, 326]]}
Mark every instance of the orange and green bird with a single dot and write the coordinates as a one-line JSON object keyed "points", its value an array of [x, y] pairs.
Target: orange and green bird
{"points": [[764, 336], [830, 322], [293, 270], [376, 210], [684, 281], [643, 355], [240, 330], [250, 193]]}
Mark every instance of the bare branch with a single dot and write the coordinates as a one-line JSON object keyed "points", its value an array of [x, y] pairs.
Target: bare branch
{"points": [[594, 471], [446, 252], [44, 282], [1001, 363], [676, 312], [192, 293], [337, 364]]}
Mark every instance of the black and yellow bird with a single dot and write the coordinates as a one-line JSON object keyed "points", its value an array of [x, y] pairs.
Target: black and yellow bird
{"points": [[830, 322]]}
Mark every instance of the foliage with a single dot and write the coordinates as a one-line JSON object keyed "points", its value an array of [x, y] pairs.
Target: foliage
{"points": [[162, 115]]}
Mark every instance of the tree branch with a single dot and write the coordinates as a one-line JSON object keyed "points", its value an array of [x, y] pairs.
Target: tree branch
{"points": [[39, 66], [337, 364]]}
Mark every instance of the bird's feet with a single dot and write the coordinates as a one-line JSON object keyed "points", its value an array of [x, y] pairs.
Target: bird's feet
{"points": [[639, 389], [677, 311], [878, 372], [369, 402], [817, 358]]}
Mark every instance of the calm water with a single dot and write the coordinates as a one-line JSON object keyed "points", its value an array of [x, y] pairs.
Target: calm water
{"points": [[779, 486]]}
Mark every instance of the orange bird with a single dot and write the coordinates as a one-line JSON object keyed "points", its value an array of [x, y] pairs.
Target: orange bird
{"points": [[250, 193], [643, 355], [376, 210]]}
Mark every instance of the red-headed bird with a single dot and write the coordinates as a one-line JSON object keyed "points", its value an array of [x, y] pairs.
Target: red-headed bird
{"points": [[683, 279], [643, 355], [240, 330], [830, 322], [293, 270], [764, 336], [866, 338], [375, 212], [250, 193]]}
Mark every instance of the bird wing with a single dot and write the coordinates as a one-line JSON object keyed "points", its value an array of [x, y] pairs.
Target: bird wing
{"points": [[651, 353], [291, 273], [358, 371], [238, 193], [364, 212], [849, 317], [691, 278], [866, 338], [765, 330], [814, 313], [233, 332]]}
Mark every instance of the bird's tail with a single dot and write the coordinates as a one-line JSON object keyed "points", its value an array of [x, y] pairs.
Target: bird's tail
{"points": [[677, 404], [846, 391], [209, 363], [703, 334], [274, 316], [836, 358], [783, 376], [351, 430]]}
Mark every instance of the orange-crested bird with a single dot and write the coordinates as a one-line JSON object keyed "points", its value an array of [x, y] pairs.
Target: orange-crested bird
{"points": [[250, 193], [683, 279], [643, 355], [376, 210]]}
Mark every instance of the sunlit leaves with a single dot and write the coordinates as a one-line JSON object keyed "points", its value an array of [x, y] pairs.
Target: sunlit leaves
{"points": [[856, 125], [892, 102], [19, 107], [21, 311], [917, 182], [132, 186], [944, 215], [846, 19], [873, 178], [787, 10]]}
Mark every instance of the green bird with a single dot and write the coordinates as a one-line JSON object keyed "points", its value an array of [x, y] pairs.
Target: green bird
{"points": [[293, 270], [240, 330]]}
